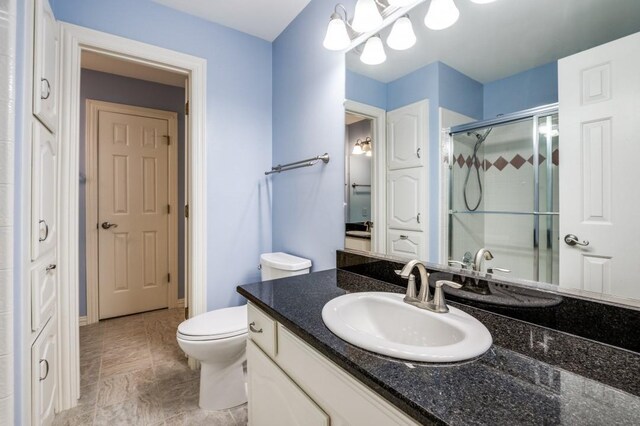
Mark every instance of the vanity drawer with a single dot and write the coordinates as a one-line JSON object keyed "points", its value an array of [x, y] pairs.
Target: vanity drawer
{"points": [[262, 330], [43, 291]]}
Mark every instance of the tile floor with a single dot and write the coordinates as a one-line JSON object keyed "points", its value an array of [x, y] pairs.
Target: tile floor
{"points": [[132, 372]]}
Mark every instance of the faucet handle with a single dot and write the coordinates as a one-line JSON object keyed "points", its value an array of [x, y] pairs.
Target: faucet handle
{"points": [[462, 265], [492, 270], [411, 285], [439, 302]]}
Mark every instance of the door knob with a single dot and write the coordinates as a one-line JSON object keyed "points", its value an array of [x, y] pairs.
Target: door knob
{"points": [[107, 225], [572, 240]]}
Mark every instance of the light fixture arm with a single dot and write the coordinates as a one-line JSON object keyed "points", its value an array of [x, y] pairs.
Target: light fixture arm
{"points": [[336, 11]]}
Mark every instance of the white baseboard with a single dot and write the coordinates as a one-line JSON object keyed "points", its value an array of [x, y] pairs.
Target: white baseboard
{"points": [[180, 303], [82, 321]]}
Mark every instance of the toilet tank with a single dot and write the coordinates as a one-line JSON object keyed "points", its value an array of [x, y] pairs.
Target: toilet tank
{"points": [[281, 265]]}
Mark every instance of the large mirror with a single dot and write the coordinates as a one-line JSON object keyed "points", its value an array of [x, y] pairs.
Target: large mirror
{"points": [[514, 129]]}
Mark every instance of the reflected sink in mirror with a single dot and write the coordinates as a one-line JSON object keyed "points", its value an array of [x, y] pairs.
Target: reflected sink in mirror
{"points": [[383, 323]]}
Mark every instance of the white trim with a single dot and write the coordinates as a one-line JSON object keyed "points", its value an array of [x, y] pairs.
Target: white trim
{"points": [[180, 303], [379, 171], [82, 321], [93, 108], [74, 40]]}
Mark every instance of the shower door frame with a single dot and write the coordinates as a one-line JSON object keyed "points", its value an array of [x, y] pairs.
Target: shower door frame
{"points": [[533, 114]]}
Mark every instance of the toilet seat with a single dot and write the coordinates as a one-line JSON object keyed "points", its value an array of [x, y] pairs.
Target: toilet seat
{"points": [[215, 325]]}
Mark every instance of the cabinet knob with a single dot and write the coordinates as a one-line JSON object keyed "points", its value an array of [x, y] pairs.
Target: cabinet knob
{"points": [[46, 369], [51, 267], [418, 152], [253, 328], [46, 230], [47, 87]]}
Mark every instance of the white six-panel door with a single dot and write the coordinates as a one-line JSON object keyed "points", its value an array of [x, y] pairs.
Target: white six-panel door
{"points": [[599, 95], [133, 215]]}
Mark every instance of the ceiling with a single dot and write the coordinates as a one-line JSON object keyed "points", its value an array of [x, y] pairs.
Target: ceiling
{"points": [[104, 63], [496, 40], [261, 18], [352, 118]]}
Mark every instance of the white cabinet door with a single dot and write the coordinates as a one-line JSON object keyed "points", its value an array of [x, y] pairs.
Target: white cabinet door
{"points": [[43, 291], [407, 133], [406, 199], [43, 191], [406, 244], [43, 376], [274, 399], [45, 66], [599, 94]]}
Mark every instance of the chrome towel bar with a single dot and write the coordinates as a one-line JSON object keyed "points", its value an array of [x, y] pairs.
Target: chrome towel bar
{"points": [[298, 164]]}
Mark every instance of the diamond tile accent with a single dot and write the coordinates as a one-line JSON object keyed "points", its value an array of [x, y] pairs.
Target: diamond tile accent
{"points": [[460, 161], [517, 161], [487, 164], [468, 161], [500, 163], [555, 157], [541, 159], [478, 163]]}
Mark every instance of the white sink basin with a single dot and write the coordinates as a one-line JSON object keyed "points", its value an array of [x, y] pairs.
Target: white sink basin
{"points": [[383, 323]]}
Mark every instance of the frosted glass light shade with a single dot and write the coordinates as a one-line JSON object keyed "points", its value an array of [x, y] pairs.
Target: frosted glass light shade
{"points": [[402, 36], [337, 37], [441, 14], [366, 16], [373, 52], [369, 154], [402, 3], [357, 149]]}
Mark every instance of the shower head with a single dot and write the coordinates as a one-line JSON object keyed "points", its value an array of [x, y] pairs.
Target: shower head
{"points": [[480, 137]]}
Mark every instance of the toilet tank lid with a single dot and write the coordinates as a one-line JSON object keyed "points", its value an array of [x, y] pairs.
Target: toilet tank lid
{"points": [[219, 322], [284, 261]]}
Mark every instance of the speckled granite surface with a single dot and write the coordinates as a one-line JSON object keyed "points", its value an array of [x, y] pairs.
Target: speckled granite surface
{"points": [[523, 379]]}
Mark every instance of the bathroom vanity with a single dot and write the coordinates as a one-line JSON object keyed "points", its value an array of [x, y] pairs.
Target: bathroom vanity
{"points": [[301, 373]]}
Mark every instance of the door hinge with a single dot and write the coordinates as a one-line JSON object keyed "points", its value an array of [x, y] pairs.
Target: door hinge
{"points": [[186, 108], [186, 211], [168, 278], [168, 139], [168, 208]]}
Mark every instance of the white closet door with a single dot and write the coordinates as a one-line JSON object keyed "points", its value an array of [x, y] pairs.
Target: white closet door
{"points": [[407, 133], [406, 199], [599, 93], [43, 191], [274, 399], [45, 66]]}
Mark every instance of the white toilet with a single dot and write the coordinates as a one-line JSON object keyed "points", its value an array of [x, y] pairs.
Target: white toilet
{"points": [[218, 340]]}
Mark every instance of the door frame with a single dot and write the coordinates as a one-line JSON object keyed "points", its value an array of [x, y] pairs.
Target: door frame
{"points": [[75, 40], [93, 108], [379, 171]]}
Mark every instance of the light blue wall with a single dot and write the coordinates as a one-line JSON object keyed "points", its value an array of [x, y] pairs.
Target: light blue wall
{"points": [[308, 119], [459, 93], [239, 127], [528, 89], [112, 88], [366, 90]]}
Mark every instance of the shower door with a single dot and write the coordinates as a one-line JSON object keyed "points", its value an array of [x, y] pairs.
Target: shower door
{"points": [[503, 194]]}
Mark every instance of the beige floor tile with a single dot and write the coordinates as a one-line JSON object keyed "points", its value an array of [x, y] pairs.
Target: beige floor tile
{"points": [[240, 415], [202, 418], [138, 410], [114, 389]]}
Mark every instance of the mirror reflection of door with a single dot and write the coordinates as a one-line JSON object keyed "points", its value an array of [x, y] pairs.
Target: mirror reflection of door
{"points": [[358, 172]]}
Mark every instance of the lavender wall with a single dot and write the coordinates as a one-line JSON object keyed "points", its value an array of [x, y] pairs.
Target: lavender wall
{"points": [[101, 86], [239, 129]]}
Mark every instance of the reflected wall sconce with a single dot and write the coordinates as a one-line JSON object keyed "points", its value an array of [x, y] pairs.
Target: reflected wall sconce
{"points": [[362, 147]]}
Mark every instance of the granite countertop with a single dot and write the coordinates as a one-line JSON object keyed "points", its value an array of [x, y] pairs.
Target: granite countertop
{"points": [[531, 374]]}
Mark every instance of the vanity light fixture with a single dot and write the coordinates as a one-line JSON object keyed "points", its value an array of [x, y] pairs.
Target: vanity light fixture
{"points": [[373, 52], [400, 3], [337, 37], [483, 1], [362, 147], [366, 17], [441, 14], [402, 36]]}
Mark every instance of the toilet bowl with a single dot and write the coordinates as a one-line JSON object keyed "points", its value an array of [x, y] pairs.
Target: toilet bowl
{"points": [[218, 340]]}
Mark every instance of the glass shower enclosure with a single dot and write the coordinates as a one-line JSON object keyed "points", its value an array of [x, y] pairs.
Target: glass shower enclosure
{"points": [[503, 192]]}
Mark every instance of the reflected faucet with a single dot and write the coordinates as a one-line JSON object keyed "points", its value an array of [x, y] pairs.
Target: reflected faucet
{"points": [[481, 254]]}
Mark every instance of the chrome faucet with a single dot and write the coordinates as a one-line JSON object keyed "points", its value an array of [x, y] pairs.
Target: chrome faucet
{"points": [[423, 301]]}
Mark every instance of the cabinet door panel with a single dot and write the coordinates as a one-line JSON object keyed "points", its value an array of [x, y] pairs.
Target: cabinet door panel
{"points": [[407, 130], [43, 376], [45, 66], [274, 399], [406, 244], [43, 292], [405, 199], [43, 191]]}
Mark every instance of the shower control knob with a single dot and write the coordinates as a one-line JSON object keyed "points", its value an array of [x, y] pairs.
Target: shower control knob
{"points": [[572, 240]]}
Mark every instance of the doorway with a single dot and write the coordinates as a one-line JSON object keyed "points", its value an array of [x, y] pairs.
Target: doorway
{"points": [[132, 207]]}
